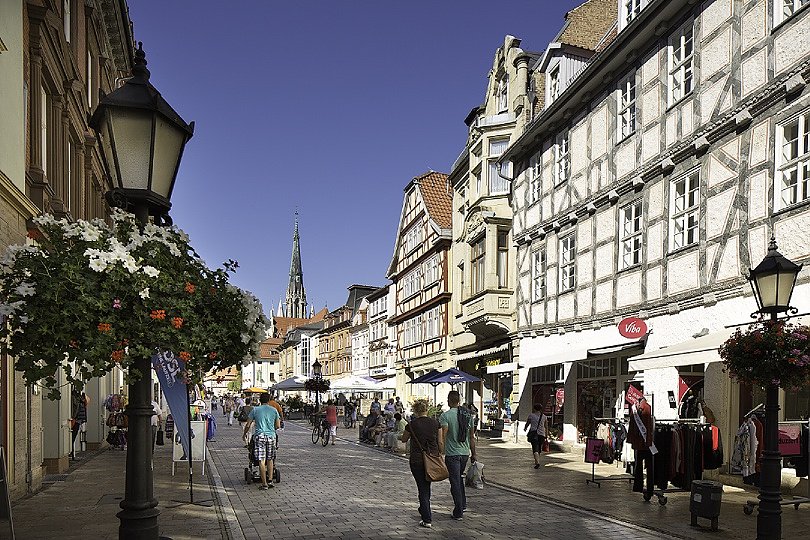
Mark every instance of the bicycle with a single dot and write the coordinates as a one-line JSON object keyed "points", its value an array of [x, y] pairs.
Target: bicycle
{"points": [[348, 420], [321, 431]]}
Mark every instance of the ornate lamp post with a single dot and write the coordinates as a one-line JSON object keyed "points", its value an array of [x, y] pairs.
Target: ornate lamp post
{"points": [[316, 374], [772, 282], [142, 140]]}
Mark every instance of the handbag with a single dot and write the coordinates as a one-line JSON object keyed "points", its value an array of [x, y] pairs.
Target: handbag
{"points": [[435, 467], [159, 440]]}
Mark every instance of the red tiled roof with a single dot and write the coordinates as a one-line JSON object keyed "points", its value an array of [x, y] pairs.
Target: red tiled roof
{"points": [[438, 197]]}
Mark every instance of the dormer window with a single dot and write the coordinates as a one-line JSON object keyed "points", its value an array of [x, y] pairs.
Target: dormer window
{"points": [[554, 84], [629, 11]]}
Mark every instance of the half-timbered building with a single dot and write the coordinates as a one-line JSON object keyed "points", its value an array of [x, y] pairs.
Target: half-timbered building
{"points": [[647, 187], [419, 273]]}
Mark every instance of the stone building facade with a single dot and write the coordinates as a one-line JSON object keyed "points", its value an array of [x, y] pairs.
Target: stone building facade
{"points": [[646, 188], [334, 340], [381, 338], [55, 56]]}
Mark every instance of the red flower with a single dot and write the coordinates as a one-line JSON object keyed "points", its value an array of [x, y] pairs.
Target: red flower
{"points": [[185, 356], [177, 322], [104, 327], [117, 356], [158, 314], [190, 288]]}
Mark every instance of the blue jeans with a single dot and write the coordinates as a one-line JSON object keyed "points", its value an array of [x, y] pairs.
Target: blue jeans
{"points": [[456, 466], [423, 486]]}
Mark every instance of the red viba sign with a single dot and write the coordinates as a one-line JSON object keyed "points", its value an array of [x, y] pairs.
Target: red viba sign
{"points": [[632, 328]]}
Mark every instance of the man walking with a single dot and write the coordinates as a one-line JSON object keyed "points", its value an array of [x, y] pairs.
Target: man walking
{"points": [[457, 443], [267, 421]]}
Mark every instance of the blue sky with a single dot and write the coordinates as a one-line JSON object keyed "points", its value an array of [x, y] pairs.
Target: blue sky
{"points": [[328, 107]]}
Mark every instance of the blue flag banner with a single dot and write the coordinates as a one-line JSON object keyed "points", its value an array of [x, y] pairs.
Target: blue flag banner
{"points": [[170, 371]]}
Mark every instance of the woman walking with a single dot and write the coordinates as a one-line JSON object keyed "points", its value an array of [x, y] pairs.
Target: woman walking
{"points": [[425, 431], [537, 424], [331, 417]]}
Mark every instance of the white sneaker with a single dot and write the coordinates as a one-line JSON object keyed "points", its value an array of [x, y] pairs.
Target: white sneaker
{"points": [[425, 524]]}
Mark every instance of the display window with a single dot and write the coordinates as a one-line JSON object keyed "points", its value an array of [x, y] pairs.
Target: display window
{"points": [[548, 390]]}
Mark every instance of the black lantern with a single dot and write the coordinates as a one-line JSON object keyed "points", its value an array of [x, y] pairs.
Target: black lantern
{"points": [[316, 369], [773, 280], [141, 139]]}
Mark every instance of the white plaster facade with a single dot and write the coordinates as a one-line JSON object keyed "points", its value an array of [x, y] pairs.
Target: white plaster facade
{"points": [[661, 220], [359, 336]]}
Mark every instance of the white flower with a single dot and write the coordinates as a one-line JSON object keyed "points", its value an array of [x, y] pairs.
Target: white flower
{"points": [[98, 265], [23, 319], [144, 293], [24, 289], [9, 309], [90, 233], [151, 271]]}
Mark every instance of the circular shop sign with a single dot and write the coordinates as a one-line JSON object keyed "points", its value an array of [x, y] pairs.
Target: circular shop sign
{"points": [[632, 328]]}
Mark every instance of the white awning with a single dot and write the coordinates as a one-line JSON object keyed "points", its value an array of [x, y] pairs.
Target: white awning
{"points": [[483, 352], [503, 368], [702, 350], [570, 355]]}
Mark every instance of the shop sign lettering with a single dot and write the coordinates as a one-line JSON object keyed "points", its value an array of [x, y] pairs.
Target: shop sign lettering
{"points": [[790, 439], [633, 395], [632, 328]]}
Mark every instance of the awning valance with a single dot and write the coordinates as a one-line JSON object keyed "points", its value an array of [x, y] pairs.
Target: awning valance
{"points": [[701, 350], [575, 354], [483, 352]]}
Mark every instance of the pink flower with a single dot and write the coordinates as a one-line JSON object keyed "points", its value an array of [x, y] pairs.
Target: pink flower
{"points": [[117, 303]]}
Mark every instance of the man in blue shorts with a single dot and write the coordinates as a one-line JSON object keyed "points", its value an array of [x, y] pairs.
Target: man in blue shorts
{"points": [[267, 421]]}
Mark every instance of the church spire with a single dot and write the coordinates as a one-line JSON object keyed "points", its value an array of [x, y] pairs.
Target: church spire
{"points": [[296, 303]]}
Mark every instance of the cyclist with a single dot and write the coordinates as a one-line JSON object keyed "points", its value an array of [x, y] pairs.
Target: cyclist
{"points": [[331, 418]]}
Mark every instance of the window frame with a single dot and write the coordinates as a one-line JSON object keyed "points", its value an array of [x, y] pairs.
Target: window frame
{"points": [[478, 259], [562, 158], [493, 178], [691, 187], [535, 173], [413, 237], [568, 263], [538, 261], [677, 70], [411, 283], [631, 240], [798, 163], [779, 6], [502, 93], [627, 120], [432, 324], [502, 260], [554, 83], [630, 9], [431, 271]]}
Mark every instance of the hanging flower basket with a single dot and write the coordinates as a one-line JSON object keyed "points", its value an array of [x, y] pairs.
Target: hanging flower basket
{"points": [[91, 296], [768, 353], [317, 385]]}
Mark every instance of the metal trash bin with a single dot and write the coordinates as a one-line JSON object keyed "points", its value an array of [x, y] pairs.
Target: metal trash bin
{"points": [[705, 501]]}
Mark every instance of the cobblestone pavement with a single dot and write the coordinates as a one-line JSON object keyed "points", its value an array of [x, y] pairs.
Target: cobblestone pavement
{"points": [[354, 491], [82, 504]]}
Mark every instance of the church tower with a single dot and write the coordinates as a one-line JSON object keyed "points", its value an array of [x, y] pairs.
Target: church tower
{"points": [[296, 303]]}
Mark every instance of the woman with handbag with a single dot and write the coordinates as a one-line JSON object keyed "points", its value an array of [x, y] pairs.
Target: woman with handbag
{"points": [[425, 434], [537, 424]]}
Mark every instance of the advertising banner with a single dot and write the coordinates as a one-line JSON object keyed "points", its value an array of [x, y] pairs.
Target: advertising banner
{"points": [[790, 435], [633, 395], [593, 449], [170, 372]]}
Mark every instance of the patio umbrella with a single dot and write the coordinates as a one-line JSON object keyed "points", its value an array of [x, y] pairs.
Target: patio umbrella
{"points": [[427, 379], [353, 382], [452, 376], [293, 383], [254, 390]]}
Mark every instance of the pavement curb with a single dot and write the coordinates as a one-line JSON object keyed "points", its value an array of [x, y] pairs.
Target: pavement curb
{"points": [[225, 507]]}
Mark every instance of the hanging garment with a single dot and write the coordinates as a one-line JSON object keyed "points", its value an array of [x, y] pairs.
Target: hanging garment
{"points": [[662, 460], [757, 447]]}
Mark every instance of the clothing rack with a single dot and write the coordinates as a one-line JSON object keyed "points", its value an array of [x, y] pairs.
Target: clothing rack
{"points": [[755, 410], [748, 509], [593, 479], [661, 493]]}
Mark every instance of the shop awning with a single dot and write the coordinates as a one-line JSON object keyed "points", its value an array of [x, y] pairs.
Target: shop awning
{"points": [[508, 367], [577, 354], [701, 350], [483, 352]]}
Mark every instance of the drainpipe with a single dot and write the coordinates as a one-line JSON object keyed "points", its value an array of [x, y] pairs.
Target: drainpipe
{"points": [[29, 473]]}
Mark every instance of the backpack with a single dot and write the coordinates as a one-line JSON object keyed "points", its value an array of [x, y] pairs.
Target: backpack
{"points": [[463, 416], [243, 415]]}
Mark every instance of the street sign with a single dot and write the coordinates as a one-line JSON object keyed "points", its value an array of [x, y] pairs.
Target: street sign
{"points": [[632, 328]]}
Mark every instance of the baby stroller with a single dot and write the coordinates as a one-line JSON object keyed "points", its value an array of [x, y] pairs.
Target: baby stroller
{"points": [[252, 473]]}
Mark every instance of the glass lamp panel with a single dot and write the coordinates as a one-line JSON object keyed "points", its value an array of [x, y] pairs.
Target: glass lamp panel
{"points": [[767, 288], [784, 288], [133, 141], [168, 146], [105, 139]]}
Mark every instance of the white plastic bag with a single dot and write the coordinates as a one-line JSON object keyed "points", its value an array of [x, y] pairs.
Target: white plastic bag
{"points": [[475, 475]]}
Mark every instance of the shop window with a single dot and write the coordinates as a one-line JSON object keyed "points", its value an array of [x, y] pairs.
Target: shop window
{"points": [[552, 373], [797, 404]]}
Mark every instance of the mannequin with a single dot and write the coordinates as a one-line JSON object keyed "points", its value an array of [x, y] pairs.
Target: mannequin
{"points": [[640, 437]]}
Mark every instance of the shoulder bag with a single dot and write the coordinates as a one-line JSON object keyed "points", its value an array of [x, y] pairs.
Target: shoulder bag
{"points": [[435, 468]]}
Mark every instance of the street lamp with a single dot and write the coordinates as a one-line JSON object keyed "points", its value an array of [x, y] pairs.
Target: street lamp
{"points": [[772, 282], [141, 139], [316, 374]]}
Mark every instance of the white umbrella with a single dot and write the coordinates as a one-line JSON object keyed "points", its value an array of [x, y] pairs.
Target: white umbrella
{"points": [[353, 382], [388, 384]]}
